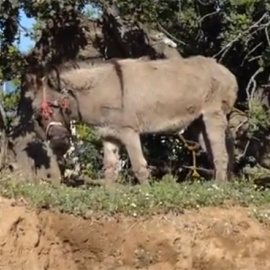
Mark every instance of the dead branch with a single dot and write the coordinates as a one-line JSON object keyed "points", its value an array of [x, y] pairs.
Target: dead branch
{"points": [[206, 3], [161, 28], [239, 126], [267, 35], [208, 15], [252, 83], [209, 171], [245, 150], [238, 111], [255, 58], [250, 52]]}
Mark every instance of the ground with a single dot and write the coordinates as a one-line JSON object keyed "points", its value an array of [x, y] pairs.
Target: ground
{"points": [[209, 238]]}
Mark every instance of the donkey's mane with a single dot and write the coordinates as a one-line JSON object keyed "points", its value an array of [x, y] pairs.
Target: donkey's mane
{"points": [[82, 64]]}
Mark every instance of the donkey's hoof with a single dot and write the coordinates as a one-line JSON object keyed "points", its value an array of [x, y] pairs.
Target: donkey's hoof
{"points": [[220, 181], [144, 182], [113, 186], [143, 176]]}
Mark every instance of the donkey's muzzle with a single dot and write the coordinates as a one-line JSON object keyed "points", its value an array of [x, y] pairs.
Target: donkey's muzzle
{"points": [[59, 138]]}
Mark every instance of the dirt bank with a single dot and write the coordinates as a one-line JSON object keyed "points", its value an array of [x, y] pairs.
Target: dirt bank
{"points": [[208, 239]]}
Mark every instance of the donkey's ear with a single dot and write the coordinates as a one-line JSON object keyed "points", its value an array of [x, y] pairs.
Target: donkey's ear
{"points": [[52, 72], [31, 81], [32, 78], [52, 81]]}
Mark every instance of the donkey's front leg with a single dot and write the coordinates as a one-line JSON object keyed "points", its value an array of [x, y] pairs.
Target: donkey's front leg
{"points": [[110, 160], [216, 125], [131, 140]]}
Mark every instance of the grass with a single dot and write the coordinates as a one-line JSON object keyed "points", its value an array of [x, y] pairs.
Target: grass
{"points": [[162, 197]]}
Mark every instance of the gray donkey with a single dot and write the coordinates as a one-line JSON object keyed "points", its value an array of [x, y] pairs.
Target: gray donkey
{"points": [[129, 97]]}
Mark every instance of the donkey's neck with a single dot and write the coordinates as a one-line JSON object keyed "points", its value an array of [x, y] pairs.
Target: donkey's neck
{"points": [[86, 112], [81, 80]]}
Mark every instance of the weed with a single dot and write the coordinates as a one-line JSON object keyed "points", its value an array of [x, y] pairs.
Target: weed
{"points": [[162, 197]]}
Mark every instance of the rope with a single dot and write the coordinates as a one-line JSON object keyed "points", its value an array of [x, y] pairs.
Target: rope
{"points": [[46, 110]]}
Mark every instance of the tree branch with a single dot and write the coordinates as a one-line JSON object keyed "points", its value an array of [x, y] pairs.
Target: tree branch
{"points": [[208, 15], [250, 52], [252, 83], [170, 35], [267, 35], [227, 47]]}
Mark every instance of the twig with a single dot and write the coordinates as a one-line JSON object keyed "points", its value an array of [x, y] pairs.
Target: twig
{"points": [[239, 126], [265, 85], [203, 3], [226, 48], [250, 94], [245, 150], [242, 122], [239, 111], [250, 52], [170, 35], [267, 35], [208, 15], [26, 30], [246, 147], [179, 7], [254, 58], [199, 168]]}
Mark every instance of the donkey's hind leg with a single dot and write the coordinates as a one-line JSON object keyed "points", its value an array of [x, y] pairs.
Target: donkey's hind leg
{"points": [[132, 142], [230, 149], [110, 160], [216, 125]]}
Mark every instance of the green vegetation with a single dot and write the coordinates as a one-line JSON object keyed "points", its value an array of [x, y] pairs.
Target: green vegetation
{"points": [[162, 197]]}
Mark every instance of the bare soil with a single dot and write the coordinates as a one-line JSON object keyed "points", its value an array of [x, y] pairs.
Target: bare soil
{"points": [[205, 239]]}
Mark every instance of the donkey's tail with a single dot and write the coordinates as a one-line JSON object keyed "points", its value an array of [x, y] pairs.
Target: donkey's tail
{"points": [[4, 137]]}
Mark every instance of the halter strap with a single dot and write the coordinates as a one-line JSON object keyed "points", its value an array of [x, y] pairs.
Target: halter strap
{"points": [[53, 123]]}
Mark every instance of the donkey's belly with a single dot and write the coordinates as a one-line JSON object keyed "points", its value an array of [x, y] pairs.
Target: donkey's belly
{"points": [[166, 113], [170, 124]]}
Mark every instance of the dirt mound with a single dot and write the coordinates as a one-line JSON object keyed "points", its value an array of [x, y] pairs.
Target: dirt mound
{"points": [[208, 239]]}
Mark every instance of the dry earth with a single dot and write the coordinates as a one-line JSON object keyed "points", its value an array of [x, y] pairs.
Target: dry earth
{"points": [[206, 239]]}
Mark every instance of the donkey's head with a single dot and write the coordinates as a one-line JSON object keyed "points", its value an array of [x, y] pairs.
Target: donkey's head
{"points": [[50, 111]]}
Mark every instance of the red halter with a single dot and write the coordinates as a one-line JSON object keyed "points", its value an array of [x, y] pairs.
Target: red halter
{"points": [[63, 103], [45, 109]]}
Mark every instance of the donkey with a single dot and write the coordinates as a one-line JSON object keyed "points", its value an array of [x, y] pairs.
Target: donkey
{"points": [[161, 45], [163, 96]]}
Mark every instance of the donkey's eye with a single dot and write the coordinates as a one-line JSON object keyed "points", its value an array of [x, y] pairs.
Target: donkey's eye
{"points": [[53, 104]]}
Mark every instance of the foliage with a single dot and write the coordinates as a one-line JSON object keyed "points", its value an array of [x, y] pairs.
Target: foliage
{"points": [[163, 197], [259, 117], [230, 29], [10, 102], [89, 151], [38, 26]]}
